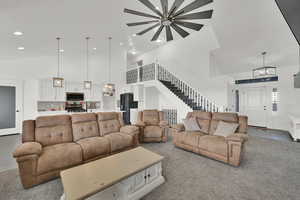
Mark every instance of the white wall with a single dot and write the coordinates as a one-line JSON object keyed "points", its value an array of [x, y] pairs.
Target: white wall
{"points": [[289, 97], [29, 71], [152, 98], [31, 96], [189, 59]]}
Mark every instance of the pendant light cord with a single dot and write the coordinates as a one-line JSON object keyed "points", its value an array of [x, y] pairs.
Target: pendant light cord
{"points": [[264, 58], [58, 56], [109, 59], [87, 58]]}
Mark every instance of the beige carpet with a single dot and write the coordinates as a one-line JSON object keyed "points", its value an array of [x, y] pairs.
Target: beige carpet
{"points": [[270, 171]]}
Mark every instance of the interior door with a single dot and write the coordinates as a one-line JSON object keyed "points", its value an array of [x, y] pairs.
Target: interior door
{"points": [[253, 104], [10, 107]]}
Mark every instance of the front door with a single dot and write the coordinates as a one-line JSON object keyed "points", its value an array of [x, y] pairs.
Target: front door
{"points": [[10, 107], [253, 103]]}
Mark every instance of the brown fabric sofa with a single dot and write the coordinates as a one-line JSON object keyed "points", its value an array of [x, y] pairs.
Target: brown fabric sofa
{"points": [[53, 143], [226, 149], [153, 128]]}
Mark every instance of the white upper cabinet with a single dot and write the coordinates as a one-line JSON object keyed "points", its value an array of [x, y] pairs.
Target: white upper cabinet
{"points": [[48, 93]]}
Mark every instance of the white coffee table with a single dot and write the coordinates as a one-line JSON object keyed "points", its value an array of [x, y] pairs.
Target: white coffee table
{"points": [[128, 175]]}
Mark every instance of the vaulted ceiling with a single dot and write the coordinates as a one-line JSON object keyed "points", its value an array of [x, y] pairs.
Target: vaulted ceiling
{"points": [[243, 29]]}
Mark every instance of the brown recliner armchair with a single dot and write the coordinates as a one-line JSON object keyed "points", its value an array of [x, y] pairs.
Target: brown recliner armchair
{"points": [[153, 127]]}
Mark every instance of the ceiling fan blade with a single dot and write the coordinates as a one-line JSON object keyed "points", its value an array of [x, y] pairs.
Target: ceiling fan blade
{"points": [[156, 35], [142, 23], [140, 13], [169, 33], [192, 6], [199, 15], [179, 30], [149, 5], [165, 7], [194, 26], [148, 29], [175, 6]]}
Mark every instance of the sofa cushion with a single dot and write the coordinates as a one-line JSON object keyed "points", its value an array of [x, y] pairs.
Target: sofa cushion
{"points": [[225, 129], [109, 126], [204, 125], [94, 146], [48, 121], [119, 141], [214, 144], [103, 116], [59, 156], [190, 138], [153, 132], [53, 130], [191, 124], [86, 117], [151, 117], [199, 115], [227, 117]]}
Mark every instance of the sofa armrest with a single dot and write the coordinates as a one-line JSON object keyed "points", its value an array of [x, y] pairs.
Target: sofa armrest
{"points": [[140, 124], [27, 149], [178, 127], [129, 129], [163, 124], [237, 137], [133, 131]]}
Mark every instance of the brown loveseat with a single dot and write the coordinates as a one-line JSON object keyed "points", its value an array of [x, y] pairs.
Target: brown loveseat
{"points": [[53, 143], [226, 149], [153, 128]]}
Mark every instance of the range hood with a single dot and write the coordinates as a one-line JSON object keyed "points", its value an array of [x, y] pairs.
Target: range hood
{"points": [[290, 11]]}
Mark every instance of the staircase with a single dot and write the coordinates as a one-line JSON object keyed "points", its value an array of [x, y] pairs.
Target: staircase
{"points": [[190, 96], [180, 94]]}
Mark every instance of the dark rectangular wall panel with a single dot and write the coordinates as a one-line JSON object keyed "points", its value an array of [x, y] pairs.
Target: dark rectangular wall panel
{"points": [[7, 107]]}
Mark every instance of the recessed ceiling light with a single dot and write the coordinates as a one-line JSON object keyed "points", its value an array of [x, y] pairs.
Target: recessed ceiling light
{"points": [[18, 33], [133, 52], [134, 35], [95, 48], [21, 48], [61, 50]]}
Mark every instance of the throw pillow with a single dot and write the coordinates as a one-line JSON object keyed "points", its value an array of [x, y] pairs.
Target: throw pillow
{"points": [[191, 124], [225, 129]]}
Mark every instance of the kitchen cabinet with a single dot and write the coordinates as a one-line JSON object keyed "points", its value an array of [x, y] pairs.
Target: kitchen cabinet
{"points": [[48, 93]]}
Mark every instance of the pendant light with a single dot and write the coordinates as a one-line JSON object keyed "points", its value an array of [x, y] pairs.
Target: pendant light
{"points": [[58, 80], [109, 88], [264, 71], [87, 84]]}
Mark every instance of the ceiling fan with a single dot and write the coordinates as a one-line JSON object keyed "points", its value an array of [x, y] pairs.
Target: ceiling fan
{"points": [[172, 18]]}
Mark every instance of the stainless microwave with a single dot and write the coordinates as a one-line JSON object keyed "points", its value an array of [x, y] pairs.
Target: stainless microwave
{"points": [[75, 96]]}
